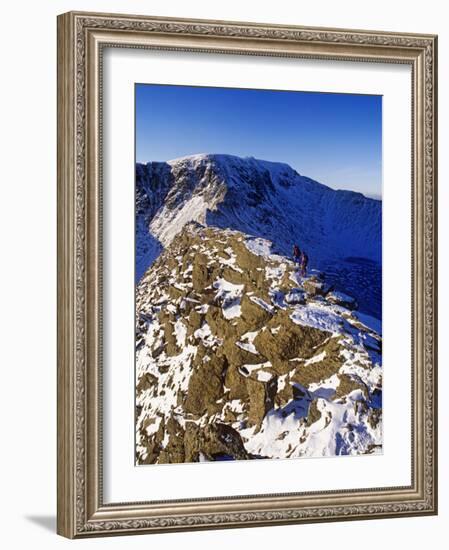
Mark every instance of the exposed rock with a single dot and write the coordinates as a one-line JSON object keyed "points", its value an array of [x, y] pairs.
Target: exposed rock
{"points": [[218, 324], [220, 360], [236, 383], [341, 299], [284, 395], [195, 320], [200, 273], [314, 414], [221, 439], [261, 399], [347, 384], [313, 373], [174, 449], [253, 315], [290, 341], [206, 386], [171, 347], [147, 380], [315, 286], [214, 442]]}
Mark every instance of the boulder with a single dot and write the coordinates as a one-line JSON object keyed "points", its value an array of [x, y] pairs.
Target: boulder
{"points": [[206, 386], [218, 324], [146, 381], [253, 315], [315, 286], [341, 299], [235, 381], [173, 451], [284, 395], [171, 346], [315, 372], [200, 272], [261, 399], [195, 320], [214, 442], [289, 342]]}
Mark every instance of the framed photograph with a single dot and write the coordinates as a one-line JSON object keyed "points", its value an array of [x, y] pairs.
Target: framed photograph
{"points": [[246, 274]]}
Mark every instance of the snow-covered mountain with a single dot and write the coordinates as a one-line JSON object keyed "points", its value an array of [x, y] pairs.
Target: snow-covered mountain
{"points": [[239, 357], [340, 230]]}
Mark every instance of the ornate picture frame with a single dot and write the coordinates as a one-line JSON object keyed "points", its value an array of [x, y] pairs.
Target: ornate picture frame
{"points": [[82, 38]]}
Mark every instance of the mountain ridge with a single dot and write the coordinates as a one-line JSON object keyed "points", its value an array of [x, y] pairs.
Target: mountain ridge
{"points": [[264, 199], [239, 357]]}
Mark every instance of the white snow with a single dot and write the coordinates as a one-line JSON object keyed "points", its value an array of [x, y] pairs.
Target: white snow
{"points": [[232, 311], [264, 376], [230, 294], [341, 296], [246, 342], [205, 335], [295, 296], [259, 247], [180, 333], [318, 316], [316, 358], [168, 223]]}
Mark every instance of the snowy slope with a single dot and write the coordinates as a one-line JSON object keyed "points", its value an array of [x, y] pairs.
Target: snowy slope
{"points": [[263, 199]]}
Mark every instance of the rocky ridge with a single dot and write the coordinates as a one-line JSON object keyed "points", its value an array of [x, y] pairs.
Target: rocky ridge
{"points": [[340, 230]]}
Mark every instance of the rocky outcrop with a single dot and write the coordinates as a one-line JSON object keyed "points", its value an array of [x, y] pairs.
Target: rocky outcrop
{"points": [[239, 357], [342, 299]]}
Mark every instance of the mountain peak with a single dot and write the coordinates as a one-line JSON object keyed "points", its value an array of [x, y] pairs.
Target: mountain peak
{"points": [[225, 159]]}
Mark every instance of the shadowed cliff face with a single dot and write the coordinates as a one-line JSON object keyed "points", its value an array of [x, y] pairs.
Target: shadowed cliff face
{"points": [[262, 199], [239, 357]]}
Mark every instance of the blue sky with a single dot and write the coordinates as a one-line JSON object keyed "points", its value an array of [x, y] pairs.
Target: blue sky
{"points": [[333, 138]]}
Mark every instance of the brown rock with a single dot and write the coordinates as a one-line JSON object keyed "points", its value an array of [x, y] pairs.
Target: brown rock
{"points": [[173, 452], [289, 342], [348, 384], [206, 387], [195, 320], [253, 316], [238, 356], [219, 440], [261, 399], [200, 272], [316, 372], [146, 381], [236, 383], [315, 286], [219, 326]]}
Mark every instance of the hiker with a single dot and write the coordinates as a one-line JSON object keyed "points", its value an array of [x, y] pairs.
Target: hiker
{"points": [[303, 263], [296, 254]]}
